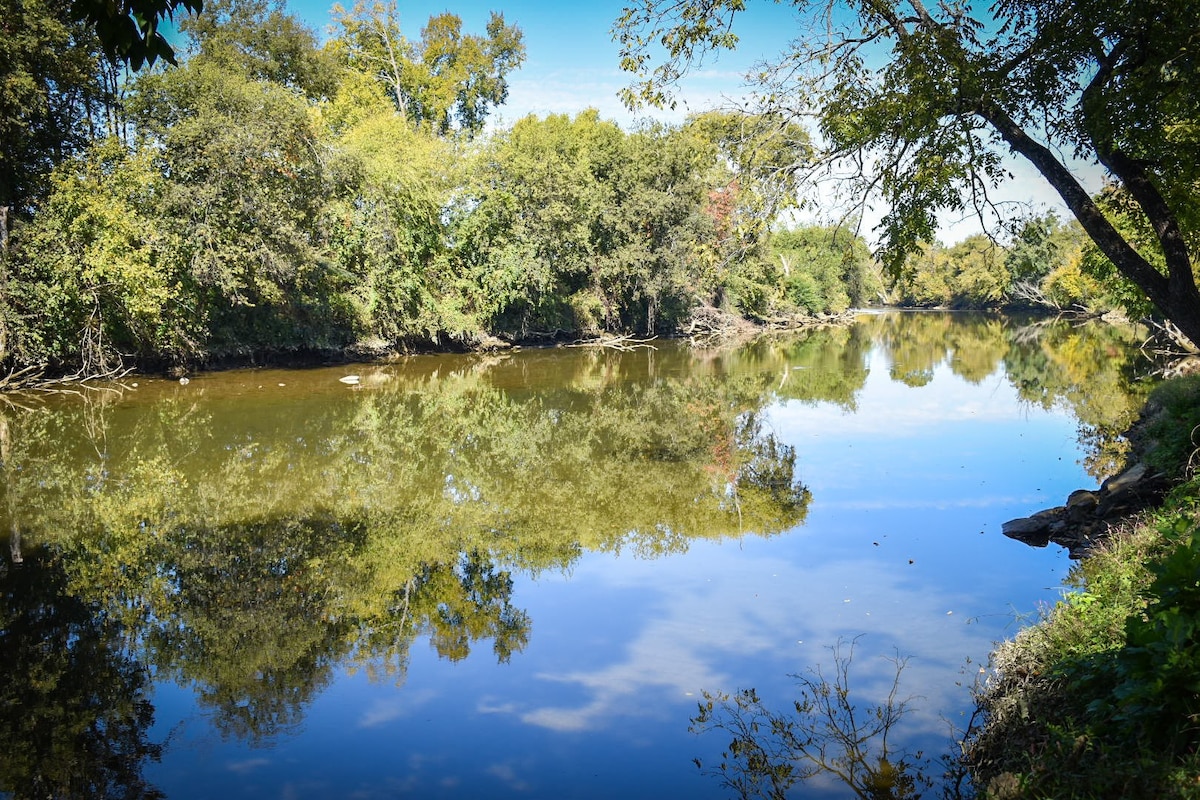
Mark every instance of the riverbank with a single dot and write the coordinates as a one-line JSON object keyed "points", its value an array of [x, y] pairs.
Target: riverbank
{"points": [[1101, 697], [710, 328]]}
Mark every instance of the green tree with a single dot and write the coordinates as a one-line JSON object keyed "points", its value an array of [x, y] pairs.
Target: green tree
{"points": [[749, 180], [970, 274], [243, 205], [1046, 261], [386, 233], [51, 103], [446, 80], [92, 277], [526, 239], [824, 269], [261, 41], [928, 101]]}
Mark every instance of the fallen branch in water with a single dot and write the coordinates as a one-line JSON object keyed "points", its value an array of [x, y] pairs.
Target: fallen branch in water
{"points": [[33, 379], [20, 378], [709, 325], [621, 342]]}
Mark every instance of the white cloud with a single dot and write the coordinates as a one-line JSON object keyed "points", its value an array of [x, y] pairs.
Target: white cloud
{"points": [[741, 613], [382, 712]]}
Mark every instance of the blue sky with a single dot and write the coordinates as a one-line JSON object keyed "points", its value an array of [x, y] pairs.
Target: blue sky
{"points": [[571, 61], [572, 64]]}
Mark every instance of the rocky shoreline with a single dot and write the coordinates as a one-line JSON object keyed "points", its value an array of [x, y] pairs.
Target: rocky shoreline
{"points": [[1090, 514]]}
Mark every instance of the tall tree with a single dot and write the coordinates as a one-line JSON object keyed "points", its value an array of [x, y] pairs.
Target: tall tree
{"points": [[261, 40], [50, 94], [926, 103], [446, 80]]}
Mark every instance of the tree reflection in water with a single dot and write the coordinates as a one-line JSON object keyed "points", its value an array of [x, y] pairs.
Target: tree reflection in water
{"points": [[74, 708], [249, 543], [823, 736], [248, 552]]}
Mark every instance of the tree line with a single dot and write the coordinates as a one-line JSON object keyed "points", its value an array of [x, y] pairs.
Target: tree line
{"points": [[921, 107], [272, 194], [1044, 263]]}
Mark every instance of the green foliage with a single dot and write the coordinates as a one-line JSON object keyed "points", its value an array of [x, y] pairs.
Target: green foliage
{"points": [[270, 196], [243, 206], [385, 230], [572, 224], [961, 87], [1134, 226], [1099, 698], [1173, 424], [90, 274], [129, 31], [53, 90], [259, 40], [1158, 672], [446, 80], [824, 269], [971, 274]]}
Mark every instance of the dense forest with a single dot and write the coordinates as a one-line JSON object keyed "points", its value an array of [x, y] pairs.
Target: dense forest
{"points": [[274, 194]]}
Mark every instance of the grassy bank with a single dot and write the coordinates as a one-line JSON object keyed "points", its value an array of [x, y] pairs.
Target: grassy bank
{"points": [[1101, 698]]}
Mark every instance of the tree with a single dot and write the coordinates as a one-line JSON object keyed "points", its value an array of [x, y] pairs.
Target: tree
{"points": [[447, 79], [957, 88], [243, 205], [50, 98], [260, 40]]}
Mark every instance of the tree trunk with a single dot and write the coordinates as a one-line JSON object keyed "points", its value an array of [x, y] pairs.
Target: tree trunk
{"points": [[1175, 295], [4, 212]]}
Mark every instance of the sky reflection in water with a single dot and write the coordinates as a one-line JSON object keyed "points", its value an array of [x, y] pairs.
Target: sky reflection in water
{"points": [[910, 483]]}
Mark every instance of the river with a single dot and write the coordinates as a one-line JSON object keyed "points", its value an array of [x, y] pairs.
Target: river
{"points": [[518, 574]]}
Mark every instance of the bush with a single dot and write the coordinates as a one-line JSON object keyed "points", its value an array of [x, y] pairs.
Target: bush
{"points": [[1172, 428]]}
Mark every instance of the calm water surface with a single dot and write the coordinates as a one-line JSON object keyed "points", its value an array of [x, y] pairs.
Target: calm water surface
{"points": [[515, 575]]}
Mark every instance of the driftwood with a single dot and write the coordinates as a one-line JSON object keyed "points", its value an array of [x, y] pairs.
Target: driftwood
{"points": [[709, 325], [32, 379], [1168, 345], [616, 342]]}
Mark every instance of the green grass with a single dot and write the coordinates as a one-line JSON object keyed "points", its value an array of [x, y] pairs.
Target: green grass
{"points": [[1101, 698]]}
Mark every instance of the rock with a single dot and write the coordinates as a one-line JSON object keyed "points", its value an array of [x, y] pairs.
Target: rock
{"points": [[1082, 498], [1033, 531], [1130, 477], [1081, 505]]}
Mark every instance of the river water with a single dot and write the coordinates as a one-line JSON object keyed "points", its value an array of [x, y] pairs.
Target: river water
{"points": [[518, 575]]}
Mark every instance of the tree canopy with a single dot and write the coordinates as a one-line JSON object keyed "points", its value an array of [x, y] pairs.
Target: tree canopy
{"points": [[273, 195], [925, 103]]}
